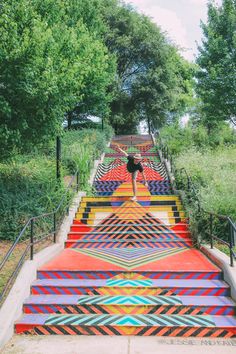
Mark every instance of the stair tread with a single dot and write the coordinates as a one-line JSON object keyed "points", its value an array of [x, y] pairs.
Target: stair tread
{"points": [[135, 300], [160, 283], [128, 231], [129, 320], [153, 239]]}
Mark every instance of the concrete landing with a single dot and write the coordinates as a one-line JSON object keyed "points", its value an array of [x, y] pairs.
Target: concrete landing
{"points": [[117, 345]]}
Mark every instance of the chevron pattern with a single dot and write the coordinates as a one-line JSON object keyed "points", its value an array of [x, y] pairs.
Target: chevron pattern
{"points": [[130, 268]]}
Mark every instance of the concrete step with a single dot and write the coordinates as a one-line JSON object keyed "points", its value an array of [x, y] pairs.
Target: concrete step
{"points": [[142, 204], [131, 217], [124, 243], [148, 324], [128, 232], [129, 193], [180, 227], [105, 275], [174, 197], [129, 304], [99, 221], [130, 210], [102, 287]]}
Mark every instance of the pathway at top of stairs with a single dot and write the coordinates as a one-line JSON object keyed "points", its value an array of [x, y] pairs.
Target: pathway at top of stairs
{"points": [[130, 268]]}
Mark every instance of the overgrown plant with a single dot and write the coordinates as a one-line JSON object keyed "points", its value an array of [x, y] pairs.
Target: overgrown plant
{"points": [[28, 185]]}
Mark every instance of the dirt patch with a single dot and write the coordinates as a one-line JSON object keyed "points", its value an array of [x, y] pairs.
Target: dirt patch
{"points": [[12, 263]]}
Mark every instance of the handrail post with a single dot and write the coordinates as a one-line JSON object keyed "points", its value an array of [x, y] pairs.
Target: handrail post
{"points": [[211, 229], [54, 227], [32, 239], [58, 157], [231, 244], [188, 182], [77, 181]]}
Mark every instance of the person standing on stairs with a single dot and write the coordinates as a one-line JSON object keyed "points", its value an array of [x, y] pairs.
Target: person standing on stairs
{"points": [[133, 166]]}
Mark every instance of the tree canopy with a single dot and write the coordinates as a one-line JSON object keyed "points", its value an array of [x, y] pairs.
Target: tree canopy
{"points": [[153, 80], [216, 85], [97, 57], [50, 59]]}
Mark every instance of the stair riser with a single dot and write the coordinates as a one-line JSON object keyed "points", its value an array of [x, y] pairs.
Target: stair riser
{"points": [[101, 193], [166, 331], [74, 234], [113, 199], [80, 290], [131, 209], [137, 244], [126, 309], [180, 228], [85, 218], [109, 274]]}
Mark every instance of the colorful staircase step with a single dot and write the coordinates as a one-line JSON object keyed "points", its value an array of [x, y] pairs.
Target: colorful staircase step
{"points": [[134, 323], [154, 244], [123, 198], [130, 304], [101, 287]]}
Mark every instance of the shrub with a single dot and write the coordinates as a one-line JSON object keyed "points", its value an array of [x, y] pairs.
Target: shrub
{"points": [[28, 185], [214, 175]]}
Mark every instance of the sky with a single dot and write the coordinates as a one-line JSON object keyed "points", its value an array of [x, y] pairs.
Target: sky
{"points": [[180, 19]]}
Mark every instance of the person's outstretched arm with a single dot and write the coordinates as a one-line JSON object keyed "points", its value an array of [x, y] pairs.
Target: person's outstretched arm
{"points": [[122, 151]]}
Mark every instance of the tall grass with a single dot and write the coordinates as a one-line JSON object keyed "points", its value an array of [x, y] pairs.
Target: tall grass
{"points": [[28, 185], [214, 175]]}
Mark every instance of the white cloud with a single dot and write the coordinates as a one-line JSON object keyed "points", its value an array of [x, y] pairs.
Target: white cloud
{"points": [[204, 2], [168, 21], [198, 2]]}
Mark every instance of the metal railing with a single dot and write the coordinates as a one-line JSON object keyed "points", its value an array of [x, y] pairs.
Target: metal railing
{"points": [[29, 234], [184, 182]]}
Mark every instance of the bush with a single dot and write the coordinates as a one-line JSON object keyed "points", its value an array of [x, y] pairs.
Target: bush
{"points": [[28, 185], [214, 174], [26, 189], [181, 139]]}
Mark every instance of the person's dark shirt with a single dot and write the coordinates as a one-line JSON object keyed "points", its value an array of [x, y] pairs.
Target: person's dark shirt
{"points": [[132, 167]]}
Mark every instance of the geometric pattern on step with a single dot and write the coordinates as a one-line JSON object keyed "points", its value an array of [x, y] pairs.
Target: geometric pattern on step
{"points": [[135, 320], [133, 230], [107, 188], [162, 331], [130, 258], [119, 172]]}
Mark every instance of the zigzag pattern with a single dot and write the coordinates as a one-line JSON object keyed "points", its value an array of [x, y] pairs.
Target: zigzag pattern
{"points": [[129, 258], [117, 171], [162, 331], [154, 187]]}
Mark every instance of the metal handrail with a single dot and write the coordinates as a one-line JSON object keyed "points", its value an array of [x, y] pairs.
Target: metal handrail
{"points": [[30, 223], [191, 188]]}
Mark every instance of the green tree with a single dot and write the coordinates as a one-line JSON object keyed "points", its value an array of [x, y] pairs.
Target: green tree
{"points": [[216, 78], [51, 59], [153, 81]]}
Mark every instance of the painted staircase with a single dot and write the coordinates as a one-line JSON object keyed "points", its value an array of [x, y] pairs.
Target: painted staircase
{"points": [[130, 268]]}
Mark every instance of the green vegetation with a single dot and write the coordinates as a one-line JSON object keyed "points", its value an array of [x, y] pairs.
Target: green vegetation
{"points": [[153, 81], [209, 160], [28, 185], [52, 58], [213, 173], [86, 57], [182, 139], [206, 146], [216, 84]]}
